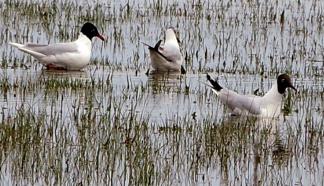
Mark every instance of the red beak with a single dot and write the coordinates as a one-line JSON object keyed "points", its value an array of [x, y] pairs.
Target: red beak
{"points": [[291, 86], [101, 37]]}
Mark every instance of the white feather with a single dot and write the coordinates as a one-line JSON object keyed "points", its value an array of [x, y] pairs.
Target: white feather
{"points": [[170, 50], [267, 106], [71, 56]]}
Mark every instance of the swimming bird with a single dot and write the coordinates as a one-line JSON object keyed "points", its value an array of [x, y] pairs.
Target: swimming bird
{"points": [[268, 105], [68, 56], [167, 57]]}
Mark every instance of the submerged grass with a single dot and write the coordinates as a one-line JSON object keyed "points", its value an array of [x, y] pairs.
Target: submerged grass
{"points": [[123, 148], [113, 125]]}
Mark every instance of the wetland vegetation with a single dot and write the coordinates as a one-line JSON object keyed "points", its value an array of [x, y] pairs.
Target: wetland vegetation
{"points": [[111, 124]]}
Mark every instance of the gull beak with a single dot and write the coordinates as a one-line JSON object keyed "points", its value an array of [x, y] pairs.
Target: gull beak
{"points": [[291, 86], [101, 37]]}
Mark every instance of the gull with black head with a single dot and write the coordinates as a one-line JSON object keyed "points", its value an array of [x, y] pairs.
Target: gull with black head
{"points": [[268, 105], [64, 56]]}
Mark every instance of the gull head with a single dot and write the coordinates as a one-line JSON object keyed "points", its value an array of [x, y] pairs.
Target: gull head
{"points": [[283, 82], [91, 31]]}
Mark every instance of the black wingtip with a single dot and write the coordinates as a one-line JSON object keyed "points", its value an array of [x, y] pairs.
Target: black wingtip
{"points": [[183, 70], [147, 73], [255, 92], [214, 83], [156, 47]]}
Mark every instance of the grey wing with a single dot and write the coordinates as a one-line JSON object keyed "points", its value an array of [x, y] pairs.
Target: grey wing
{"points": [[242, 102], [172, 53], [251, 104], [53, 49], [229, 98], [157, 49]]}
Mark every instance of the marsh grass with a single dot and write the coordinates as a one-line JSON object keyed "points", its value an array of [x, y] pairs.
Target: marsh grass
{"points": [[117, 143], [112, 124]]}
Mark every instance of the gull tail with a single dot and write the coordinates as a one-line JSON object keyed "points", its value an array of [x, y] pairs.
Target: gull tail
{"points": [[17, 45], [214, 83], [25, 48]]}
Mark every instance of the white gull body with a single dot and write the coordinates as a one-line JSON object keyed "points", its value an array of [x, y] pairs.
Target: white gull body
{"points": [[69, 56], [268, 105], [167, 57]]}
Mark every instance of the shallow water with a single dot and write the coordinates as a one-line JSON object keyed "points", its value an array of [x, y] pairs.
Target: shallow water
{"points": [[112, 124]]}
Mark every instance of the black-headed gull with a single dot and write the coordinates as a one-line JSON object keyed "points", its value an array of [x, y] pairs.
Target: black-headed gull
{"points": [[268, 105], [69, 56], [167, 57]]}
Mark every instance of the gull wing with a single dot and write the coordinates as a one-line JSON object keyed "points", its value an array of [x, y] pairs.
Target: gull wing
{"points": [[40, 50], [242, 102], [52, 49], [171, 51], [156, 50]]}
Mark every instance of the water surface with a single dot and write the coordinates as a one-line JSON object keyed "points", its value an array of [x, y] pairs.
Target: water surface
{"points": [[112, 124]]}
